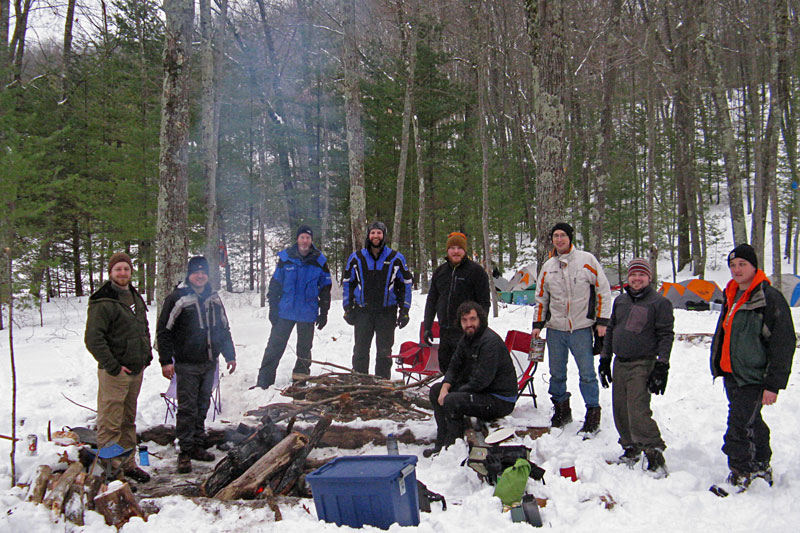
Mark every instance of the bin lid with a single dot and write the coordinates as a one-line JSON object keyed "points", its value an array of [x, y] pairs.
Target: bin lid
{"points": [[365, 466]]}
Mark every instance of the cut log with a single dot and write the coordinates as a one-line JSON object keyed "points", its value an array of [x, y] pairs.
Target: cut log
{"points": [[39, 485], [242, 457], [295, 470], [165, 435], [249, 484], [117, 504], [73, 508], [348, 438], [57, 497], [92, 486]]}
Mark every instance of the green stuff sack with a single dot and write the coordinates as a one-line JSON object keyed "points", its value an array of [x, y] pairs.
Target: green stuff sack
{"points": [[511, 484]]}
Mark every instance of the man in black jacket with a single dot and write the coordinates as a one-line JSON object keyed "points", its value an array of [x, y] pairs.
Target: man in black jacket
{"points": [[480, 381], [454, 282], [640, 333], [192, 331], [752, 350]]}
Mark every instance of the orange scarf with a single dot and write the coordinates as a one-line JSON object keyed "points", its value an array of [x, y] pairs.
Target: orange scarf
{"points": [[730, 293]]}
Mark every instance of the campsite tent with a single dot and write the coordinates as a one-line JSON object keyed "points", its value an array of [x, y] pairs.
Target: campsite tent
{"points": [[691, 291], [790, 287]]}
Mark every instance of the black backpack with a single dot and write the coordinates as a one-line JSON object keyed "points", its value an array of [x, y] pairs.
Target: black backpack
{"points": [[490, 461]]}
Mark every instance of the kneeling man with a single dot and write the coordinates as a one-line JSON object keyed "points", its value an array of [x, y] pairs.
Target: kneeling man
{"points": [[480, 381]]}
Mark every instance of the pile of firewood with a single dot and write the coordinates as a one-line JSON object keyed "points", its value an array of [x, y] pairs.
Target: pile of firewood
{"points": [[74, 491], [347, 396]]}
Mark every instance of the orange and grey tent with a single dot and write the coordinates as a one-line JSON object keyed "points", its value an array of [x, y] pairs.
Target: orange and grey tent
{"points": [[691, 291], [790, 287]]}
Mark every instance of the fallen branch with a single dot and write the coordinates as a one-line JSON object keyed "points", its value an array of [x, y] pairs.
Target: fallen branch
{"points": [[76, 403]]}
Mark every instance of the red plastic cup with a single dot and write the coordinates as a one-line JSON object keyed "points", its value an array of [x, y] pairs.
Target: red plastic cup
{"points": [[569, 473]]}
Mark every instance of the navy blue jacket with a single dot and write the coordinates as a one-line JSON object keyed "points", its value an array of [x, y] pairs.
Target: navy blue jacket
{"points": [[376, 283], [300, 288]]}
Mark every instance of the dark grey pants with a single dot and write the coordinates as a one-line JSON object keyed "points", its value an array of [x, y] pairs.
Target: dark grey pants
{"points": [[380, 324], [631, 401], [450, 416], [448, 341], [195, 384], [747, 438], [278, 338]]}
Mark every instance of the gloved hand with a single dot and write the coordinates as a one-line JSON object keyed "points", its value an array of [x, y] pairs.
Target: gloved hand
{"points": [[402, 317], [322, 319], [604, 370], [427, 336], [350, 315], [273, 314], [657, 381]]}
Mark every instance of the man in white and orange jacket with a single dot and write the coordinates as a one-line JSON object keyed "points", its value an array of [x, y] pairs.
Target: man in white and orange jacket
{"points": [[573, 298]]}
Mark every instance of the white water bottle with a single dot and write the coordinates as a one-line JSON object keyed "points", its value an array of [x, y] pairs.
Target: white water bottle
{"points": [[391, 445]]}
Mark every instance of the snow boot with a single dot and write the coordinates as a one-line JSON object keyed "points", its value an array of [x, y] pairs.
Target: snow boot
{"points": [[630, 456], [763, 471], [739, 481], [184, 463], [199, 454], [562, 414], [137, 474], [428, 452], [591, 424], [655, 461]]}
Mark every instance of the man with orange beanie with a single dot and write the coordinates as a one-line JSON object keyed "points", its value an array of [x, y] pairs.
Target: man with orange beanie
{"points": [[752, 350]]}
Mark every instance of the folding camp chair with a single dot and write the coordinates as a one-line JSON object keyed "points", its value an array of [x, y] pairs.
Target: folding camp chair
{"points": [[519, 341], [418, 360], [171, 397]]}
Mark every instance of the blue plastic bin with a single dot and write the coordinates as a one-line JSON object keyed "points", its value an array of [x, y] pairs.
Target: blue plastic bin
{"points": [[375, 490]]}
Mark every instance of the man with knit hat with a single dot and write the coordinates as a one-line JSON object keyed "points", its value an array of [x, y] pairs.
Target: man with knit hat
{"points": [[640, 333], [376, 295], [192, 331], [454, 282], [752, 351], [573, 298], [118, 336], [299, 295]]}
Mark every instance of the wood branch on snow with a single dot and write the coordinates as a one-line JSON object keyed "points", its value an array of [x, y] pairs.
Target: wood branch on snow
{"points": [[117, 505], [249, 484], [165, 435]]}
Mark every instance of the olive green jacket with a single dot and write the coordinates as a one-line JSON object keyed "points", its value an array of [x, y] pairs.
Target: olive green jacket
{"points": [[115, 335]]}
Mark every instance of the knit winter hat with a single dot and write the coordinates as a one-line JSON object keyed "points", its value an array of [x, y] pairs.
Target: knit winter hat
{"points": [[457, 239], [118, 258], [378, 225], [746, 252], [197, 264], [304, 229], [566, 228], [640, 264]]}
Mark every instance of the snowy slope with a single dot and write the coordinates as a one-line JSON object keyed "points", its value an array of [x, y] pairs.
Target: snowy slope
{"points": [[52, 360]]}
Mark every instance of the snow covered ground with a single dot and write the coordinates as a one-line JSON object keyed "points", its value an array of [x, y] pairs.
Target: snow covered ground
{"points": [[52, 360]]}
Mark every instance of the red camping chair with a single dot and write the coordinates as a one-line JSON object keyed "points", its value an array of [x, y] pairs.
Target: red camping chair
{"points": [[417, 360], [518, 341]]}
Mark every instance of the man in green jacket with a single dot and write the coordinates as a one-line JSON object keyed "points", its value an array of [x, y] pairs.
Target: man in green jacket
{"points": [[118, 336], [752, 350]]}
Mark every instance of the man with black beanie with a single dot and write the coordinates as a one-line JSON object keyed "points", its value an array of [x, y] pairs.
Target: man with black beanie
{"points": [[192, 331], [752, 351]]}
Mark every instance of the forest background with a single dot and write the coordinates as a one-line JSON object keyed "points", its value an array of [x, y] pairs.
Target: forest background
{"points": [[165, 129]]}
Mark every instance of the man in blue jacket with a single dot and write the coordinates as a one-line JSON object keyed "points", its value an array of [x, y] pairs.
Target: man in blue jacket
{"points": [[299, 294], [376, 298]]}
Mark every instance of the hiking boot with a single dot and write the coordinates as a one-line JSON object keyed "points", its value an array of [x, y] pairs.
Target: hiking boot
{"points": [[591, 424], [199, 454], [562, 414], [428, 452], [763, 471], [137, 474], [655, 460], [740, 481], [630, 456], [184, 463]]}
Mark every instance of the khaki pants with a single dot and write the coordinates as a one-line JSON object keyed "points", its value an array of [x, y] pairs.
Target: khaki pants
{"points": [[116, 408]]}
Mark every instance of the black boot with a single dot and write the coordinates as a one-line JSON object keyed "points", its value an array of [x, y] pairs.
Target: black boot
{"points": [[655, 460], [630, 457], [591, 424], [562, 414]]}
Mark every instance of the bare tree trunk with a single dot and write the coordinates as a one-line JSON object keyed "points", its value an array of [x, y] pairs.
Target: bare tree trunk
{"points": [[171, 231], [651, 179], [355, 129], [10, 266], [546, 28], [779, 27], [212, 49], [5, 22], [422, 271], [411, 61], [22, 9]]}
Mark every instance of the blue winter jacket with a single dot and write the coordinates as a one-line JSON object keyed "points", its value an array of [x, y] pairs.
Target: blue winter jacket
{"points": [[300, 286], [376, 283]]}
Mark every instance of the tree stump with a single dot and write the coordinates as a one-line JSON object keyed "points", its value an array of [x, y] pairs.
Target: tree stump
{"points": [[117, 505]]}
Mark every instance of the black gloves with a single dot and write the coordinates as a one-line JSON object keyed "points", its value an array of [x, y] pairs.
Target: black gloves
{"points": [[427, 336], [322, 319], [657, 381], [350, 315], [273, 314], [604, 370], [402, 317]]}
